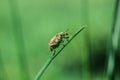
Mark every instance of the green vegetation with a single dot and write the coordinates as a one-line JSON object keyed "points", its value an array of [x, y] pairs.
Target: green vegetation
{"points": [[27, 26], [55, 54]]}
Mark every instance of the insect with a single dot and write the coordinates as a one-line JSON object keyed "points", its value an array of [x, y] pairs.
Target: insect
{"points": [[57, 40]]}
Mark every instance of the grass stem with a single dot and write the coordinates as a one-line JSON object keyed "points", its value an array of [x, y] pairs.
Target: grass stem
{"points": [[45, 66], [113, 44]]}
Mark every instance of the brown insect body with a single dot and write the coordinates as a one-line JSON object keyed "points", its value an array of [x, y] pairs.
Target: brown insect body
{"points": [[57, 40]]}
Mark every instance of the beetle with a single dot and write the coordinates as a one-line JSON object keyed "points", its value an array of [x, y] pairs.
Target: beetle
{"points": [[57, 40]]}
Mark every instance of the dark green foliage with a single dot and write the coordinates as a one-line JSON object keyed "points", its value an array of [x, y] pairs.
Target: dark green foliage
{"points": [[26, 26]]}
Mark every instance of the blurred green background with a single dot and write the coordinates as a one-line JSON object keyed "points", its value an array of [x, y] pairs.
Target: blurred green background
{"points": [[26, 27]]}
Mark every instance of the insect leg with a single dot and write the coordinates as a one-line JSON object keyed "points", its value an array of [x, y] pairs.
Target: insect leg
{"points": [[54, 52], [67, 38], [62, 43]]}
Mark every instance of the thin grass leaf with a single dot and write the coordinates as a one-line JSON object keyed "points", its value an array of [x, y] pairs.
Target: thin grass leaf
{"points": [[45, 66]]}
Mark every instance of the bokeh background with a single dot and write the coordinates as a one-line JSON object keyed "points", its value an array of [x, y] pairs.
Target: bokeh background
{"points": [[26, 27]]}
